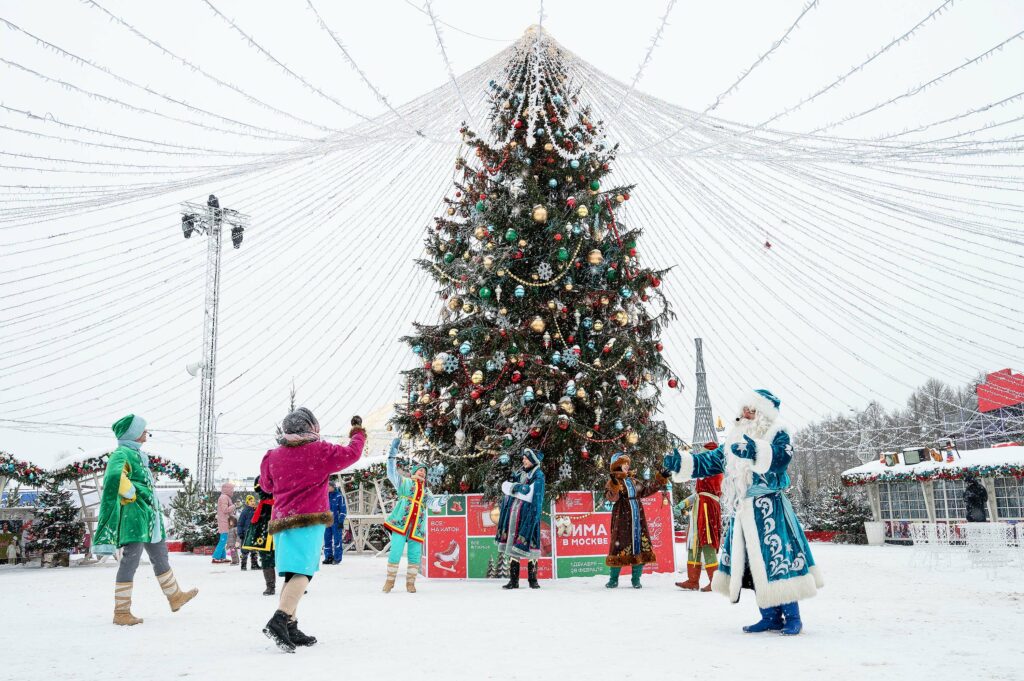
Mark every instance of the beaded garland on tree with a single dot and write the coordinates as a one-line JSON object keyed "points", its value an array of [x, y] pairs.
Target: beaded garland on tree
{"points": [[549, 324]]}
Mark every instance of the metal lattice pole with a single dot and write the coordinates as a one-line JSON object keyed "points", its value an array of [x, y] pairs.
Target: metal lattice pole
{"points": [[703, 421], [209, 220]]}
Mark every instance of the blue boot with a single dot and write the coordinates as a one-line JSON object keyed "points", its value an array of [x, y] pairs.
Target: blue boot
{"points": [[791, 613], [638, 570], [771, 620], [613, 578]]}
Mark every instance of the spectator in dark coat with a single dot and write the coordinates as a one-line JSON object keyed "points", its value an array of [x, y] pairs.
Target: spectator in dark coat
{"points": [[975, 499], [244, 521]]}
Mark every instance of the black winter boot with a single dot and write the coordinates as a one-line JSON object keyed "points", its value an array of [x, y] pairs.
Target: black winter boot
{"points": [[513, 575], [531, 574], [255, 561], [271, 579], [296, 636], [277, 631], [245, 562]]}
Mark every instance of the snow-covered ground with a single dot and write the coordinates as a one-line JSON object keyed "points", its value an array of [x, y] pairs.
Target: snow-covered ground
{"points": [[877, 618]]}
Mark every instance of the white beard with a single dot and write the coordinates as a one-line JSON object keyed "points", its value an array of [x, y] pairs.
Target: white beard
{"points": [[739, 472]]}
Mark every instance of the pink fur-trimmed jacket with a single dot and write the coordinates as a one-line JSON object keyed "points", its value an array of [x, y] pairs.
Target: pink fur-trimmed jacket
{"points": [[297, 477]]}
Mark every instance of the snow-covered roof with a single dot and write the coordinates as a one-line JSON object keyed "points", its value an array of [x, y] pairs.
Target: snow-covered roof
{"points": [[981, 461]]}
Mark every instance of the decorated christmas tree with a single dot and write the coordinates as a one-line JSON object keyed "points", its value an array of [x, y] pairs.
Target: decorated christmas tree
{"points": [[838, 509], [549, 325], [194, 516], [58, 525]]}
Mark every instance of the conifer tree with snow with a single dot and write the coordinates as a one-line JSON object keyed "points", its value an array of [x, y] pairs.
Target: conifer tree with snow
{"points": [[58, 525], [194, 516], [835, 508], [549, 325]]}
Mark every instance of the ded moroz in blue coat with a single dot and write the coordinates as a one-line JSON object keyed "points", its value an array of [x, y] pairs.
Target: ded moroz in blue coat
{"points": [[763, 533]]}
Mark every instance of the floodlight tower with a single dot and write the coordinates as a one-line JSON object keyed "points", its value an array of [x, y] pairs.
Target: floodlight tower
{"points": [[703, 423], [209, 220]]}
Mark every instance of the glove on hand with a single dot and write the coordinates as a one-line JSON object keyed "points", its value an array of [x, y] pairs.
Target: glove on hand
{"points": [[747, 451]]}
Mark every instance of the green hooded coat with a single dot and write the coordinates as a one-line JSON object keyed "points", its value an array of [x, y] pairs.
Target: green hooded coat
{"points": [[126, 523]]}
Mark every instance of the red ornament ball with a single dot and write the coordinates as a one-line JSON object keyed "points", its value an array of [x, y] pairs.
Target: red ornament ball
{"points": [[659, 347], [571, 202], [655, 282], [516, 377], [672, 383], [418, 414], [558, 237], [519, 124], [475, 394], [463, 485]]}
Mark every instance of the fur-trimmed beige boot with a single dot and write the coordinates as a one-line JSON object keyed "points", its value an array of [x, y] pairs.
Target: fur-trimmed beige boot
{"points": [[175, 596], [389, 583], [410, 578], [123, 605]]}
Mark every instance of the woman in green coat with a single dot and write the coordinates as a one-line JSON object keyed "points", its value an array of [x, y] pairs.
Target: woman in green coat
{"points": [[130, 517]]}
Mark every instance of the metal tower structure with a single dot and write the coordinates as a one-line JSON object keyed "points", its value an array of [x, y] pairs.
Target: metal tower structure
{"points": [[703, 422], [209, 221]]}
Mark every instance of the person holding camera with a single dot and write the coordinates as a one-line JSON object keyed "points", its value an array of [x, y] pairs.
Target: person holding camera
{"points": [[296, 474]]}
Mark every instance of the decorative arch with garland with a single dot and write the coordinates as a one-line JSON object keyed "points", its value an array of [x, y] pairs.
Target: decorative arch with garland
{"points": [[549, 325]]}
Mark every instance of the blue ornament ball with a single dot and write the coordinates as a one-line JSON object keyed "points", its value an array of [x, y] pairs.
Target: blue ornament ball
{"points": [[539, 132], [625, 292], [465, 348], [574, 164], [418, 349], [520, 291], [503, 459], [552, 183]]}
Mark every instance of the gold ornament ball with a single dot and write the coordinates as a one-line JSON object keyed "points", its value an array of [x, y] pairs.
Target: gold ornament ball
{"points": [[597, 363], [582, 211], [437, 365], [493, 403], [425, 398], [488, 262], [568, 287], [480, 232], [621, 318], [513, 144], [598, 325], [451, 211], [454, 304], [648, 376], [503, 311], [490, 246], [472, 289], [495, 514], [581, 393], [595, 257], [455, 342], [551, 305], [453, 332], [566, 405], [477, 377], [540, 213], [466, 255], [468, 308], [632, 437], [522, 243], [535, 277], [549, 146], [501, 273], [537, 324]]}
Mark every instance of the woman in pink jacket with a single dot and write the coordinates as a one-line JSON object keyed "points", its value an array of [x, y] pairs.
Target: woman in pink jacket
{"points": [[225, 510], [296, 474]]}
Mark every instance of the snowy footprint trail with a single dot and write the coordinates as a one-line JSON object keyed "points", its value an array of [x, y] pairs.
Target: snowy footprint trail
{"points": [[876, 618]]}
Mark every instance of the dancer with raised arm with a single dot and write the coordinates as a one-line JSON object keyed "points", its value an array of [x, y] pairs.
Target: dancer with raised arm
{"points": [[408, 518], [764, 547], [518, 533], [296, 474]]}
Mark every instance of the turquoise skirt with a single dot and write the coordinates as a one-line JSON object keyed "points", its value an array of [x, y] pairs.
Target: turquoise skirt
{"points": [[298, 550]]}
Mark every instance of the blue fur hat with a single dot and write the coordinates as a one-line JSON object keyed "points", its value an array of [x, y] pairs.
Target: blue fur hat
{"points": [[415, 467], [767, 394], [534, 455]]}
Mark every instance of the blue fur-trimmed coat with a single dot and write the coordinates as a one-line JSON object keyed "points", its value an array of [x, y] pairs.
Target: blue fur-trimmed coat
{"points": [[764, 534], [518, 533]]}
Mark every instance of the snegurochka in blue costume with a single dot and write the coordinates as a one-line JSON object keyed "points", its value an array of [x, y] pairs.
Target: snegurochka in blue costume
{"points": [[763, 547]]}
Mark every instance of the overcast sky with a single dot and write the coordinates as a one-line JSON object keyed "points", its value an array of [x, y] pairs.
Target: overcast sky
{"points": [[102, 309]]}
